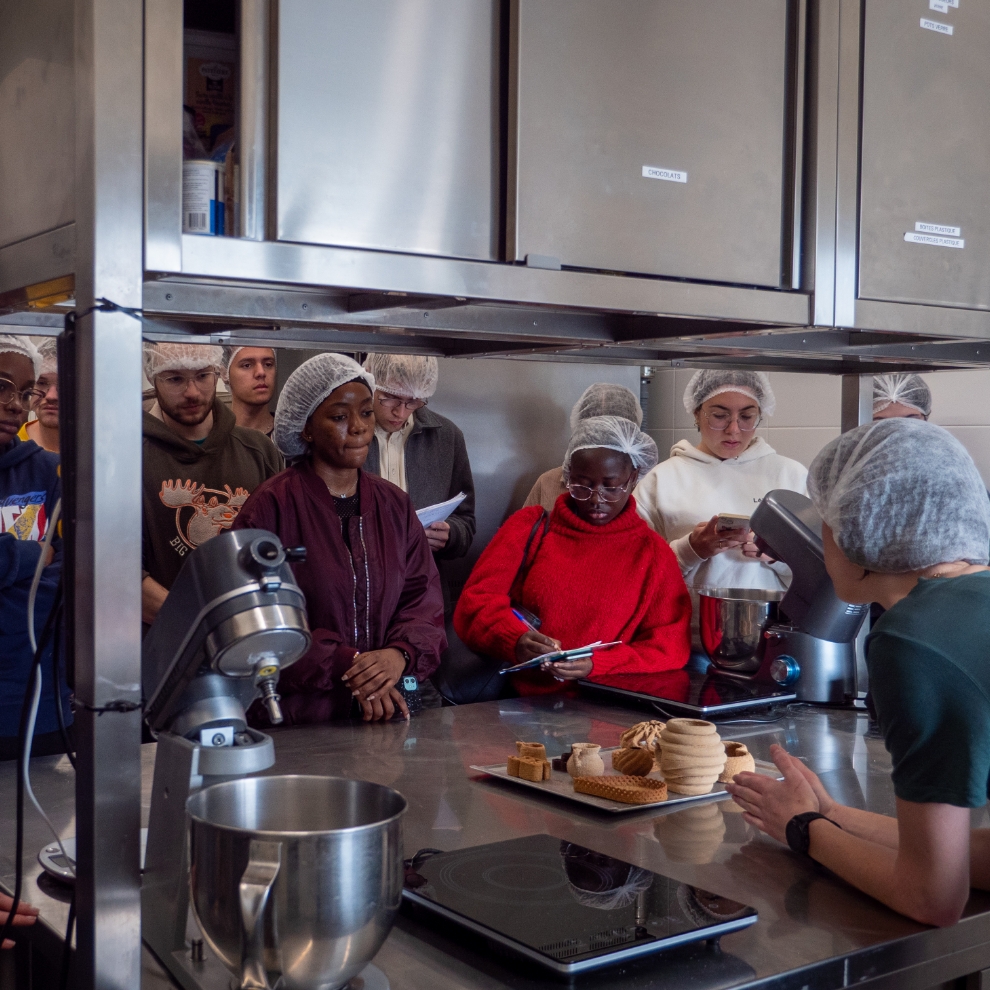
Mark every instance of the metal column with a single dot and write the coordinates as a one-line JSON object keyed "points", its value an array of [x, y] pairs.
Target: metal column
{"points": [[109, 234], [857, 401]]}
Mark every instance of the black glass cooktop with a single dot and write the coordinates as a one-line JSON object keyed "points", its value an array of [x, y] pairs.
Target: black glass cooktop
{"points": [[687, 692], [567, 907]]}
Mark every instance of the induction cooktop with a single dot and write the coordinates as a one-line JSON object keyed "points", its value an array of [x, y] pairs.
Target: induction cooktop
{"points": [[564, 906], [689, 693]]}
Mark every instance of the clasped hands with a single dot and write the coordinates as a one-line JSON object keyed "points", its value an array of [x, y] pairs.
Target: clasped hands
{"points": [[532, 644], [771, 804], [372, 678], [707, 542]]}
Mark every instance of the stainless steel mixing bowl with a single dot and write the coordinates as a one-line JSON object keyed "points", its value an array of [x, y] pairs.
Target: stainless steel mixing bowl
{"points": [[295, 877], [732, 621]]}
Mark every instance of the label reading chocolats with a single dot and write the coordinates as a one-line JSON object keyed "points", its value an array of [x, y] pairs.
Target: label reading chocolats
{"points": [[667, 174]]}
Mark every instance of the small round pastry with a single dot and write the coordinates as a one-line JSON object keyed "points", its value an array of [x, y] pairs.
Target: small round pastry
{"points": [[632, 762], [738, 760]]}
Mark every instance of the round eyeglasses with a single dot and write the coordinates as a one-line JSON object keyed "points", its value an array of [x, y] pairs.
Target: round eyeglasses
{"points": [[582, 493], [395, 401], [718, 420], [25, 396]]}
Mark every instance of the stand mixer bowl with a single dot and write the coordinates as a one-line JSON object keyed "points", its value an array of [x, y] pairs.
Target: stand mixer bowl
{"points": [[295, 878], [732, 622]]}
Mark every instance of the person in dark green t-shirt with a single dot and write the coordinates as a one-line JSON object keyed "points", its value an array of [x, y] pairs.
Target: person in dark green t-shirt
{"points": [[906, 523]]}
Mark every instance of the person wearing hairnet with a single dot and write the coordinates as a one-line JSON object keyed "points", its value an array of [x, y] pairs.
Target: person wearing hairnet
{"points": [[589, 570], [906, 522], [421, 451], [29, 491], [599, 399], [199, 465], [372, 590], [249, 373], [44, 430], [901, 396], [728, 472]]}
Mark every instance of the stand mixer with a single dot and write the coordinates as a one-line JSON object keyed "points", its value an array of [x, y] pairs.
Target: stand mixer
{"points": [[805, 637]]}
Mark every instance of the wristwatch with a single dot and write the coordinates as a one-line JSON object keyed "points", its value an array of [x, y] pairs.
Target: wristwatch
{"points": [[797, 830]]}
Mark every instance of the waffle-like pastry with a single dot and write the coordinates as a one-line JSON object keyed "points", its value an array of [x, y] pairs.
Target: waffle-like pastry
{"points": [[627, 790], [738, 760], [633, 762], [535, 750], [528, 768]]}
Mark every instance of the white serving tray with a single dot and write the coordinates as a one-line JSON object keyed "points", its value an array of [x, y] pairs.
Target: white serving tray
{"points": [[561, 785]]}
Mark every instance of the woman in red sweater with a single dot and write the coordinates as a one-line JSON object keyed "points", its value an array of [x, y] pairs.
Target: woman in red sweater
{"points": [[595, 572]]}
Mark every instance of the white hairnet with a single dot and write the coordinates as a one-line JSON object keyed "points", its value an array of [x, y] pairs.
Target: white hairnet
{"points": [[11, 344], [614, 433], [908, 390], [901, 495], [305, 389], [705, 384], [48, 349], [607, 399], [159, 358], [410, 376], [230, 353]]}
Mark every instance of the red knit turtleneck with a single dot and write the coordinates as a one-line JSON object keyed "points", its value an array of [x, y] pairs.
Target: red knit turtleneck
{"points": [[617, 581]]}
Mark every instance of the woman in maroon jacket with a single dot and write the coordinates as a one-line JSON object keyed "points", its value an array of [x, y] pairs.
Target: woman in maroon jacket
{"points": [[598, 572], [372, 590]]}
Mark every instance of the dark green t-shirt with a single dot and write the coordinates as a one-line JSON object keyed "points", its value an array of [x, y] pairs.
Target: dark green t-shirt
{"points": [[929, 664]]}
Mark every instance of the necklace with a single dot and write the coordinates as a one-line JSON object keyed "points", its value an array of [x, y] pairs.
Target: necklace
{"points": [[347, 494]]}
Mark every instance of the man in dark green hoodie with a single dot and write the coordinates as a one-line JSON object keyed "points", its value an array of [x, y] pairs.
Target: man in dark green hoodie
{"points": [[199, 466]]}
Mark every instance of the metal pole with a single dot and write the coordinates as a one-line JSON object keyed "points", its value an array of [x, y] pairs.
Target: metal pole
{"points": [[857, 401], [109, 234], [254, 18]]}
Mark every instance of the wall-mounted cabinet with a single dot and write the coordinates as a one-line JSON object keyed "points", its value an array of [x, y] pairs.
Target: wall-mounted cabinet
{"points": [[925, 154], [388, 124], [653, 136]]}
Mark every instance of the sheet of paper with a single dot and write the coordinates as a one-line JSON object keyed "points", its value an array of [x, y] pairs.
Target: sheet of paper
{"points": [[440, 511], [555, 656]]}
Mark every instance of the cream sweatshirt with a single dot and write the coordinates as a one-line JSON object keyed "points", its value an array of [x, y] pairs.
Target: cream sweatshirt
{"points": [[693, 486]]}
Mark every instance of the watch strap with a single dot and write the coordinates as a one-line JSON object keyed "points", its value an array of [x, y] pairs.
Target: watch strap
{"points": [[798, 836]]}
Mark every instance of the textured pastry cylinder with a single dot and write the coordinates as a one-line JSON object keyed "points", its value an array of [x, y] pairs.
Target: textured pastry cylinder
{"points": [[633, 762], [644, 735], [738, 760], [691, 756]]}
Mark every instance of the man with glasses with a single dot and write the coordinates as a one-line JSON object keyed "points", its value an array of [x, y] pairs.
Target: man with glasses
{"points": [[44, 430], [29, 492], [727, 473], [421, 452], [199, 466]]}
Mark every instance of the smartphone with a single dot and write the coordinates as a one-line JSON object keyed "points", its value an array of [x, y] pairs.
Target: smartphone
{"points": [[730, 521], [408, 687]]}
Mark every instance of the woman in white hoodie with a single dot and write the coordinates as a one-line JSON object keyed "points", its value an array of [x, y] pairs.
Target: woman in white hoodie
{"points": [[729, 471]]}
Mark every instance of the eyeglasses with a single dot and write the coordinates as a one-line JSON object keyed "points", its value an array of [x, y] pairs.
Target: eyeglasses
{"points": [[582, 493], [177, 384], [395, 401], [748, 420], [8, 392]]}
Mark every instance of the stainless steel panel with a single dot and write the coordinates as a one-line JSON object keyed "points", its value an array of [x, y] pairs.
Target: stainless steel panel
{"points": [[926, 153], [254, 33], [605, 90], [107, 416], [37, 118], [38, 259], [388, 116]]}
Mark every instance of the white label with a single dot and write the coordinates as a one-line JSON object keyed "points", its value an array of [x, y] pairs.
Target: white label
{"points": [[937, 228], [934, 241], [940, 5], [936, 26], [668, 174], [951, 3]]}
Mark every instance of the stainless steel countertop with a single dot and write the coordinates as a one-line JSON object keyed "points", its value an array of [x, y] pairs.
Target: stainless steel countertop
{"points": [[814, 930]]}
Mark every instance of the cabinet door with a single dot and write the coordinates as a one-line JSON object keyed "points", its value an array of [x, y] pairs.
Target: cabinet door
{"points": [[925, 193], [388, 125], [650, 136]]}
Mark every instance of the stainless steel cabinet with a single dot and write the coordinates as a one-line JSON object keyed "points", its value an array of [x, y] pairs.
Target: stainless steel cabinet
{"points": [[650, 136], [388, 123], [925, 193]]}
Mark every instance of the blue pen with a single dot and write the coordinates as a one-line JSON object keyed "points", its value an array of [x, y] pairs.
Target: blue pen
{"points": [[529, 625]]}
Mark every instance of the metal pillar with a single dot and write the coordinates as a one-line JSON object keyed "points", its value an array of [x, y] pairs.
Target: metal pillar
{"points": [[857, 401], [109, 235]]}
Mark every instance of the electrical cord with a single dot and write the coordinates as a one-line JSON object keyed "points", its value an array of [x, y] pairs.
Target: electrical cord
{"points": [[39, 570], [70, 749], [22, 747]]}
